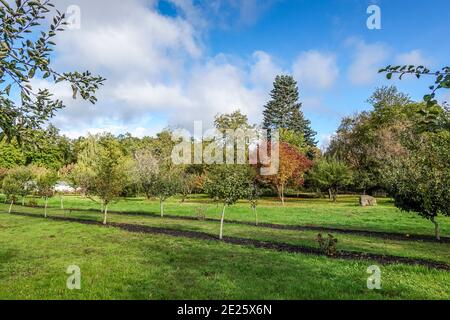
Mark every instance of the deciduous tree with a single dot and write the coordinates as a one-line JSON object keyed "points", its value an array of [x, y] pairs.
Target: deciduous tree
{"points": [[228, 184], [188, 183], [292, 164], [104, 169], [146, 170], [442, 78], [166, 185], [45, 184], [12, 188], [25, 53], [253, 195], [331, 175], [420, 181]]}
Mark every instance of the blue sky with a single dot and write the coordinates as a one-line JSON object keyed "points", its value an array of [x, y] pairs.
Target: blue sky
{"points": [[169, 63], [290, 27]]}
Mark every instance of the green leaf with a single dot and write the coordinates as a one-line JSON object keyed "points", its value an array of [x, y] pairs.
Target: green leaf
{"points": [[8, 89], [5, 3]]}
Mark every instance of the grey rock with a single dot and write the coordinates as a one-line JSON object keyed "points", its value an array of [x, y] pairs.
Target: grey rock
{"points": [[367, 201]]}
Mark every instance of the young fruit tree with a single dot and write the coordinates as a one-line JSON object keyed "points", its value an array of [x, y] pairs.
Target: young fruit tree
{"points": [[167, 184], [156, 176], [109, 172], [11, 187], [253, 195], [146, 170], [65, 174], [228, 184], [24, 177], [330, 175], [80, 177], [45, 184], [188, 182], [420, 182]]}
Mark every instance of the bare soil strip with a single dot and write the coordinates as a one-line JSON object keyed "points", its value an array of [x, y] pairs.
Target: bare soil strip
{"points": [[365, 233], [284, 247]]}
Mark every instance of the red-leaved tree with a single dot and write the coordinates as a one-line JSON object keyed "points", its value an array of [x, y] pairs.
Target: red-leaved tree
{"points": [[292, 165]]}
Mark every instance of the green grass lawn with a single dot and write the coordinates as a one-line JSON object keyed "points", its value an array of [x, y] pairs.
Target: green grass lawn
{"points": [[346, 213], [116, 264], [35, 253], [414, 249]]}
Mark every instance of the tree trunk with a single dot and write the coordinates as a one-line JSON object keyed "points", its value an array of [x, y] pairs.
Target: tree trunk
{"points": [[437, 231], [282, 194], [23, 201], [105, 214], [221, 222], [10, 207], [330, 194], [161, 207], [335, 191], [256, 215], [62, 203], [45, 210]]}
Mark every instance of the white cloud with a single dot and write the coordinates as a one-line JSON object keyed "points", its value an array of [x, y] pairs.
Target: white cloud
{"points": [[264, 70], [128, 38], [142, 54], [315, 69], [158, 73], [156, 69], [368, 58], [414, 57], [220, 87], [114, 129], [324, 141], [151, 97]]}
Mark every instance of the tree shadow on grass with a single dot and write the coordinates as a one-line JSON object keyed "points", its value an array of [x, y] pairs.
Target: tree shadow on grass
{"points": [[206, 270], [7, 255]]}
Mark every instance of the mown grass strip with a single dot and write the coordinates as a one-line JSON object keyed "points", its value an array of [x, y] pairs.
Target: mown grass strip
{"points": [[341, 254], [359, 232]]}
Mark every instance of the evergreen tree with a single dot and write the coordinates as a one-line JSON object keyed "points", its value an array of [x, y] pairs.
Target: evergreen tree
{"points": [[283, 111]]}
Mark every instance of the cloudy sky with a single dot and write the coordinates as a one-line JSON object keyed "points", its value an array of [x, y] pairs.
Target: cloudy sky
{"points": [[169, 63]]}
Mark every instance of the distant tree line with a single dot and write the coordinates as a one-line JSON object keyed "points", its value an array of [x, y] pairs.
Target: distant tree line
{"points": [[394, 149]]}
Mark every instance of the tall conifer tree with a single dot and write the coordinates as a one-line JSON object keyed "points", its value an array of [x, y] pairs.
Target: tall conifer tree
{"points": [[284, 109]]}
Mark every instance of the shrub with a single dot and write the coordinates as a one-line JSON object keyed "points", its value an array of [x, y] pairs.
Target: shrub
{"points": [[327, 246]]}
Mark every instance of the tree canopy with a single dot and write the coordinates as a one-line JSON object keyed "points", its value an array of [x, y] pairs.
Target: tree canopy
{"points": [[228, 184], [25, 55], [330, 175]]}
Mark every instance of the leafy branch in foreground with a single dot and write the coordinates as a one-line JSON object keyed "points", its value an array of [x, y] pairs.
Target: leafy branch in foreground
{"points": [[25, 49], [442, 80]]}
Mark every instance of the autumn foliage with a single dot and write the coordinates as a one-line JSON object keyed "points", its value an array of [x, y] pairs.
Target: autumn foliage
{"points": [[292, 166]]}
